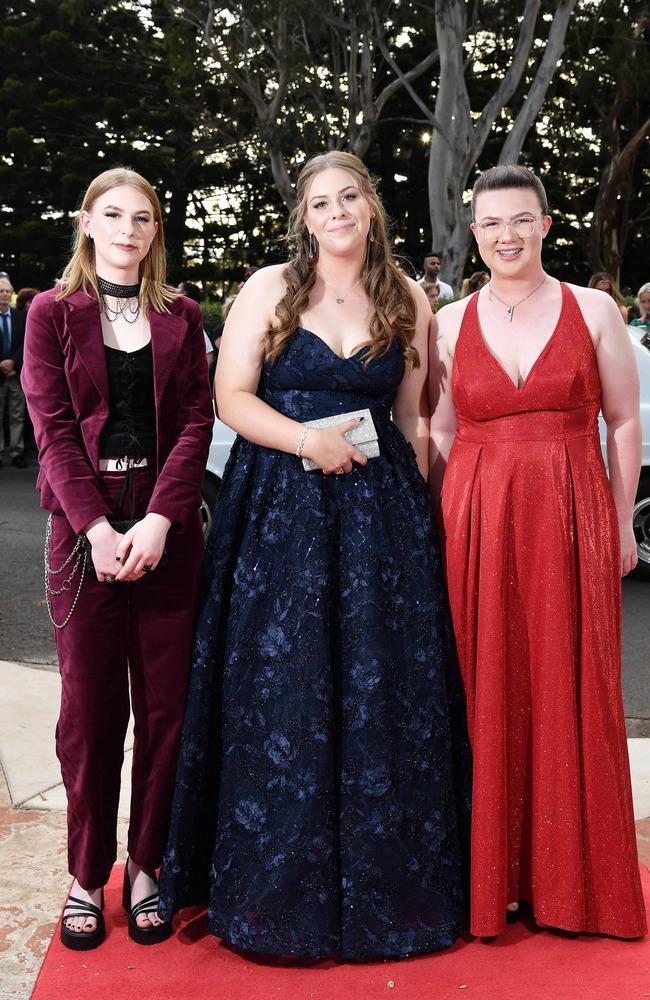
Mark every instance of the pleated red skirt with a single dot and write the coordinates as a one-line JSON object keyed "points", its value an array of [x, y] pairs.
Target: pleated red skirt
{"points": [[532, 557]]}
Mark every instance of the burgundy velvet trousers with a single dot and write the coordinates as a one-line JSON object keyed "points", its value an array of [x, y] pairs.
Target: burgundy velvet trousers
{"points": [[142, 630]]}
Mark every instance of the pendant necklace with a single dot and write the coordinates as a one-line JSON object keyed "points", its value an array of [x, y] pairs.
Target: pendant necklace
{"points": [[340, 299], [125, 306], [510, 309]]}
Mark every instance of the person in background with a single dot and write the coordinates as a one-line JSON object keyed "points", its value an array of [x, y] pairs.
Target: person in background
{"points": [[432, 291], [643, 303], [432, 265], [248, 272], [218, 333], [192, 291], [12, 334], [473, 283], [25, 297], [115, 380], [604, 282]]}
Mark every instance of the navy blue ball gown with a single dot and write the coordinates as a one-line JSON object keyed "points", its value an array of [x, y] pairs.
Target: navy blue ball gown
{"points": [[322, 794]]}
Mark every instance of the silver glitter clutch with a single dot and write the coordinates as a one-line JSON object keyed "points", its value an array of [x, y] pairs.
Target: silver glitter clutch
{"points": [[363, 436]]}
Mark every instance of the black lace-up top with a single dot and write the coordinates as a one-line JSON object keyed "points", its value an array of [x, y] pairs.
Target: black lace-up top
{"points": [[131, 425]]}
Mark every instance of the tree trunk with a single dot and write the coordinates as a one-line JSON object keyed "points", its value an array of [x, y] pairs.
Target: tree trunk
{"points": [[450, 143], [606, 242], [537, 92], [457, 141]]}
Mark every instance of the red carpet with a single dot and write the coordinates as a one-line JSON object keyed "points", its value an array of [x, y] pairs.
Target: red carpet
{"points": [[525, 963]]}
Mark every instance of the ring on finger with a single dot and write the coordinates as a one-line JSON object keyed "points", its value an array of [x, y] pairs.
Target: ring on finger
{"points": [[109, 579], [147, 568], [339, 472]]}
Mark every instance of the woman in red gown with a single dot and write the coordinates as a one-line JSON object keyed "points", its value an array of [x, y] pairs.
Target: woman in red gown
{"points": [[537, 538]]}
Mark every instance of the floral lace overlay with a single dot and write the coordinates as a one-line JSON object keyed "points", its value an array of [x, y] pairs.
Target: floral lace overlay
{"points": [[322, 794]]}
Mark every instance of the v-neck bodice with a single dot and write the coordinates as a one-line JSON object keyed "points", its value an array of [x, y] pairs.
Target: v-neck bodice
{"points": [[560, 396]]}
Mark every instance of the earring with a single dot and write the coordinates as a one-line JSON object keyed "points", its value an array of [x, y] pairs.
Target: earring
{"points": [[371, 235], [90, 239], [311, 246]]}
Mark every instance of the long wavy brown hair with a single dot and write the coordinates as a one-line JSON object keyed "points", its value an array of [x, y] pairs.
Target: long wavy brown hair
{"points": [[394, 312], [80, 271]]}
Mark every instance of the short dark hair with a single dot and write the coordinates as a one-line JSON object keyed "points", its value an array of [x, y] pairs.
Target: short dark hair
{"points": [[509, 175], [433, 253], [191, 291]]}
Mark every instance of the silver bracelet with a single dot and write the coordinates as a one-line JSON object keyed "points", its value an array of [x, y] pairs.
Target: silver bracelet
{"points": [[301, 442]]}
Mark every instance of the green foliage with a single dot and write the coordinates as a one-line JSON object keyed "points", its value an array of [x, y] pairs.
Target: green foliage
{"points": [[88, 87], [212, 313]]}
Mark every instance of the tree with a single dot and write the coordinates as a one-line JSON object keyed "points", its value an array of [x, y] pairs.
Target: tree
{"points": [[581, 144], [106, 86], [218, 104], [309, 70], [332, 68], [459, 134], [624, 116]]}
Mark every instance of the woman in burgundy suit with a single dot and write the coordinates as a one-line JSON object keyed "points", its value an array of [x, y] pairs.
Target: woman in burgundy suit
{"points": [[116, 383]]}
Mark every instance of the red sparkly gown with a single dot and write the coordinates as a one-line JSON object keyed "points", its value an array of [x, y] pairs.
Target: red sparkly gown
{"points": [[532, 554]]}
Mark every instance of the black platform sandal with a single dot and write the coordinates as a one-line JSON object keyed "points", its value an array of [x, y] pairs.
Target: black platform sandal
{"points": [[143, 935], [82, 940]]}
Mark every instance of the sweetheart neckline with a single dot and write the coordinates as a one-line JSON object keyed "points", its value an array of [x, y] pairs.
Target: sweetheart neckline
{"points": [[349, 357]]}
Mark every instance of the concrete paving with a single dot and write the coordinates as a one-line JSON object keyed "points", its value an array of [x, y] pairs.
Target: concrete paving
{"points": [[28, 714]]}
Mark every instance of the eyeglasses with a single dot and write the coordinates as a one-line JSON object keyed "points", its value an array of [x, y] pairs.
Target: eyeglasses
{"points": [[522, 227]]}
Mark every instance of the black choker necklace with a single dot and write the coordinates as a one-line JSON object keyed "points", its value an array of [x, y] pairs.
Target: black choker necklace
{"points": [[119, 291], [128, 311]]}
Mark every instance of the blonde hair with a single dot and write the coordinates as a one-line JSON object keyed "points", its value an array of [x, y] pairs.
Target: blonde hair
{"points": [[394, 312], [644, 288], [80, 271]]}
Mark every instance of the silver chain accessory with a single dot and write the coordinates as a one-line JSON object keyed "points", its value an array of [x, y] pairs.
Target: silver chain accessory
{"points": [[510, 309], [127, 302], [340, 299], [78, 558]]}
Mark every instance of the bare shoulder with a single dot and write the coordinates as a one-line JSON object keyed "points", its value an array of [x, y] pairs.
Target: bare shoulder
{"points": [[416, 290], [450, 318], [599, 310], [266, 279], [256, 301]]}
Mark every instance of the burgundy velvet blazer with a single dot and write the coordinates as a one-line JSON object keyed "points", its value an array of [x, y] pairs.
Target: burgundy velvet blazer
{"points": [[66, 385]]}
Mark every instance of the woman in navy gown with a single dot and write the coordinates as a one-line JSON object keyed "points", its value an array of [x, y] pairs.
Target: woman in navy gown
{"points": [[321, 801]]}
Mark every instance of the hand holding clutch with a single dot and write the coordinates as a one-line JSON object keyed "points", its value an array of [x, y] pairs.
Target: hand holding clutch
{"points": [[363, 436]]}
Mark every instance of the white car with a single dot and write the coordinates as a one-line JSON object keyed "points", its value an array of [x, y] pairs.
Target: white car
{"points": [[223, 437], [641, 515], [222, 441]]}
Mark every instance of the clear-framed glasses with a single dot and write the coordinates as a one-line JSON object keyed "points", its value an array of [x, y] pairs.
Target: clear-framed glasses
{"points": [[522, 227]]}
